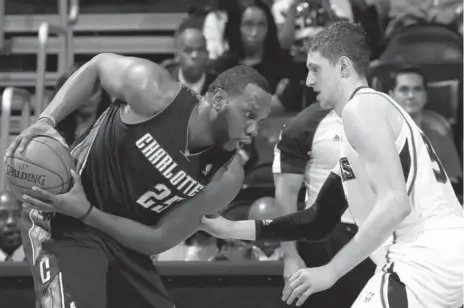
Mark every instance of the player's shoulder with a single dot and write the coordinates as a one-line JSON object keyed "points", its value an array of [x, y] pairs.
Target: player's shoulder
{"points": [[149, 71], [372, 111], [370, 105], [307, 120], [151, 83]]}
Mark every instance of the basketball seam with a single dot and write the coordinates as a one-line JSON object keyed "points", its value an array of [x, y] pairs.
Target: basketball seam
{"points": [[46, 188], [26, 161], [65, 167]]}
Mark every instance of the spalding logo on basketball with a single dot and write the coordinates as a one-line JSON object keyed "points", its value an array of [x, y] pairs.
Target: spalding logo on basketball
{"points": [[45, 163]]}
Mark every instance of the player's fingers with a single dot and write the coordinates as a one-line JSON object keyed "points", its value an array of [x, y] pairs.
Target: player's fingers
{"points": [[33, 207], [36, 207], [304, 297], [41, 194], [295, 276], [11, 149], [37, 204], [296, 293], [289, 287], [23, 141]]}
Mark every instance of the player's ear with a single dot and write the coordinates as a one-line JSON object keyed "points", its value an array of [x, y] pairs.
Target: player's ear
{"points": [[344, 64], [218, 99]]}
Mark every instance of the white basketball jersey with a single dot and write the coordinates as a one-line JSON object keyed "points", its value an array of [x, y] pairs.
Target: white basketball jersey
{"points": [[432, 198]]}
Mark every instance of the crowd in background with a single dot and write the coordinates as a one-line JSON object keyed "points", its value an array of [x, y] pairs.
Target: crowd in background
{"points": [[269, 36]]}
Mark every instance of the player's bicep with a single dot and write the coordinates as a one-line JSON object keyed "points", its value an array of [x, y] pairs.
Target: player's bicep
{"points": [[139, 82], [368, 131]]}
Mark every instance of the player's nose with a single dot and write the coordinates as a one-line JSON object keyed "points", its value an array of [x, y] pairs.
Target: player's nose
{"points": [[310, 82], [252, 129]]}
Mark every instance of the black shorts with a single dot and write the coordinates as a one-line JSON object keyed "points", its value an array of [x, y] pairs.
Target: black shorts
{"points": [[78, 267]]}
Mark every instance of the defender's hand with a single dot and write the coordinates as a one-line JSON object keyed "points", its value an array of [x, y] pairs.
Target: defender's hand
{"points": [[292, 264], [306, 282], [217, 226]]}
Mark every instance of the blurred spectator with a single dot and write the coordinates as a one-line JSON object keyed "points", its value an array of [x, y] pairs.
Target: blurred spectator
{"points": [[199, 247], [10, 235], [372, 15], [261, 209], [258, 46], [408, 86], [215, 24], [190, 62], [234, 250], [80, 121], [297, 20], [404, 13]]}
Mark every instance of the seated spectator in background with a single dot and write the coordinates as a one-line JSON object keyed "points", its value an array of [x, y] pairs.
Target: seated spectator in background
{"points": [[214, 26], [257, 45], [191, 59], [404, 13], [234, 250], [79, 122], [408, 86], [261, 209], [10, 235], [298, 20], [199, 247]]}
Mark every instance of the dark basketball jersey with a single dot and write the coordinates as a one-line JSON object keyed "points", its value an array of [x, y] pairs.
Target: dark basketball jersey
{"points": [[138, 171]]}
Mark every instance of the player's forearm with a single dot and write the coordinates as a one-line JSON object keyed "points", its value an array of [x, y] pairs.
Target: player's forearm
{"points": [[182, 221], [74, 93], [380, 224], [306, 224], [139, 237]]}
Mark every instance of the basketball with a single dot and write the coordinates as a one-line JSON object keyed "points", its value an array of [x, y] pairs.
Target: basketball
{"points": [[46, 163]]}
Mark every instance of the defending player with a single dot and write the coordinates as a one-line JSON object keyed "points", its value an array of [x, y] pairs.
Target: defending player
{"points": [[394, 184]]}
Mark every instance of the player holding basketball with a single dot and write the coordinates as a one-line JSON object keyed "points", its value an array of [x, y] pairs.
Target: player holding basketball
{"points": [[394, 184], [156, 161]]}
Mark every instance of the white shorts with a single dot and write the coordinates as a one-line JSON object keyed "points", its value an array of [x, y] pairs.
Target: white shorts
{"points": [[426, 273]]}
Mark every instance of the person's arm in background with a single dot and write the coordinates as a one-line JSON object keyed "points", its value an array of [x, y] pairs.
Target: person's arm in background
{"points": [[288, 167], [287, 188], [213, 31], [285, 22]]}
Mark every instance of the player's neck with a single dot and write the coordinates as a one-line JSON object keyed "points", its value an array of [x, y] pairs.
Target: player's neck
{"points": [[200, 130], [350, 86]]}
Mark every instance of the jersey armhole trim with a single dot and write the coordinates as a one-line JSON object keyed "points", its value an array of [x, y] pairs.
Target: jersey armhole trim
{"points": [[413, 141], [132, 124]]}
